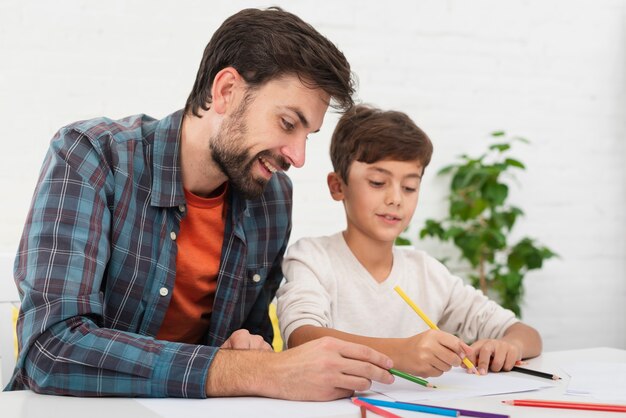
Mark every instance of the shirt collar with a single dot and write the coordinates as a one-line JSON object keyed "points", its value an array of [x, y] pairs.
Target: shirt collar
{"points": [[167, 179]]}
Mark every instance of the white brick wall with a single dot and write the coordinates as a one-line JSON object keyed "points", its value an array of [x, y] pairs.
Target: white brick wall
{"points": [[553, 71]]}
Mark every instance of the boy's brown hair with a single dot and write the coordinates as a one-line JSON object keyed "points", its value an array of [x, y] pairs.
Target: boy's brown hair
{"points": [[263, 45], [367, 135]]}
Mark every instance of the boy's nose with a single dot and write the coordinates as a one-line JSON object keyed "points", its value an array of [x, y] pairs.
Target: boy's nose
{"points": [[394, 197]]}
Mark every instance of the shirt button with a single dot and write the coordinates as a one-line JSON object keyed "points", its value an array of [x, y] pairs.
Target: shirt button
{"points": [[181, 208], [256, 278], [173, 235], [163, 291]]}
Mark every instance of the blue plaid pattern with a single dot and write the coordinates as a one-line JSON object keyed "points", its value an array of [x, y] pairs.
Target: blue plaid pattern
{"points": [[98, 248]]}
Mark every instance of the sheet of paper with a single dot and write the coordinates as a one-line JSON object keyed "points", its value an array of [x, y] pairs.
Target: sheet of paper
{"points": [[246, 407], [604, 381], [457, 384]]}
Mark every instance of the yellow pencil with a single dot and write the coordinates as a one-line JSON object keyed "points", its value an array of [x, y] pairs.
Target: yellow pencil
{"points": [[430, 323]]}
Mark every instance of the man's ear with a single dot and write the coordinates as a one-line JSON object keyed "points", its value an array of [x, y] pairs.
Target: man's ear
{"points": [[225, 89], [335, 186]]}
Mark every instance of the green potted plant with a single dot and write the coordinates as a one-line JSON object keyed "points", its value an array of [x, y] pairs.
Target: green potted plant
{"points": [[479, 222]]}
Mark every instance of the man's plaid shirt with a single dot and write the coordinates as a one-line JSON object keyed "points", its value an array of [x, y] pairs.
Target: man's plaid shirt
{"points": [[97, 261]]}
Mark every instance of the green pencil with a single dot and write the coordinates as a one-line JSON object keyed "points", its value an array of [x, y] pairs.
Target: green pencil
{"points": [[411, 378]]}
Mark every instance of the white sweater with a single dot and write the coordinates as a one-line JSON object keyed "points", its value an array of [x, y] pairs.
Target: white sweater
{"points": [[327, 286]]}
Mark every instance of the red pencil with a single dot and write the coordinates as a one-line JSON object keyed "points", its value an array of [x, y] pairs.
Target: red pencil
{"points": [[374, 409], [567, 405]]}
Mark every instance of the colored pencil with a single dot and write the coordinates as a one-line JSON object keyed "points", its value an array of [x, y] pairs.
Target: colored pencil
{"points": [[469, 412], [567, 405], [363, 412], [412, 378], [411, 407], [535, 373], [374, 409], [430, 323]]}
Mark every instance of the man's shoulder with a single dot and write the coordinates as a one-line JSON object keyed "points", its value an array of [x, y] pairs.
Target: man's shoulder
{"points": [[135, 127]]}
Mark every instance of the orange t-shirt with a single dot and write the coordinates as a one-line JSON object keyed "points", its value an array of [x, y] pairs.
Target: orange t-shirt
{"points": [[199, 241]]}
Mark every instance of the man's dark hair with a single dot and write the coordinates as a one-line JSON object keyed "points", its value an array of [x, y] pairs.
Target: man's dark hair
{"points": [[368, 135], [265, 44]]}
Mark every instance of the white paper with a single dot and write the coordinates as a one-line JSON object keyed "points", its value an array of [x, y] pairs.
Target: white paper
{"points": [[457, 384], [604, 381], [246, 407]]}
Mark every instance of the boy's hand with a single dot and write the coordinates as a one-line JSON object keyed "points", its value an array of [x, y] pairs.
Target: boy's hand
{"points": [[494, 355], [431, 353], [243, 340]]}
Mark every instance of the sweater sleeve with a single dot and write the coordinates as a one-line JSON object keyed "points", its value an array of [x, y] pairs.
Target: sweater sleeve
{"points": [[468, 313], [303, 299]]}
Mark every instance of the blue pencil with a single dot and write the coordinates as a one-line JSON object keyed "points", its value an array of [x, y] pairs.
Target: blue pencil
{"points": [[411, 407], [470, 413]]}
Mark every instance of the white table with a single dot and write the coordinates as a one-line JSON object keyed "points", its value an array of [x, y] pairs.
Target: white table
{"points": [[26, 404]]}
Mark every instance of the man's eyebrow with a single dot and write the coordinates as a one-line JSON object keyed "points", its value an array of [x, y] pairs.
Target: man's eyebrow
{"points": [[302, 118]]}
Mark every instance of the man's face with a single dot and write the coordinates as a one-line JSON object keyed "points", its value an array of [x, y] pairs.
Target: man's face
{"points": [[267, 133]]}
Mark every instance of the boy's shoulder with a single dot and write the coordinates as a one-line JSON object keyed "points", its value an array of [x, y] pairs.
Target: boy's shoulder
{"points": [[320, 243], [418, 257]]}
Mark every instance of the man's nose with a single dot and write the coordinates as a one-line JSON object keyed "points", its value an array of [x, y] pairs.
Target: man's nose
{"points": [[295, 152]]}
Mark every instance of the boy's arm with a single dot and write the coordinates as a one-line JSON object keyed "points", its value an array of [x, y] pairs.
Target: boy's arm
{"points": [[519, 341], [429, 353]]}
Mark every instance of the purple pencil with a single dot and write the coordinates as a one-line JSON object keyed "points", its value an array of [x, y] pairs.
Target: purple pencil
{"points": [[467, 412]]}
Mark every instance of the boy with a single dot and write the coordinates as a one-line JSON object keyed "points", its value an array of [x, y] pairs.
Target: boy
{"points": [[342, 285]]}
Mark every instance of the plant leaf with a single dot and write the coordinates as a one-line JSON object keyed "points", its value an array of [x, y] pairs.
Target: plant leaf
{"points": [[515, 163], [402, 241], [500, 147]]}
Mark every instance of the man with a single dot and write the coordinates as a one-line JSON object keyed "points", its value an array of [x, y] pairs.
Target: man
{"points": [[153, 248]]}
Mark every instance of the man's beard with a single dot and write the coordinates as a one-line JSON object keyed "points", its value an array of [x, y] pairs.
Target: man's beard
{"points": [[228, 152]]}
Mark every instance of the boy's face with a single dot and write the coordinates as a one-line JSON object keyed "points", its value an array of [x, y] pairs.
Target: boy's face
{"points": [[379, 198]]}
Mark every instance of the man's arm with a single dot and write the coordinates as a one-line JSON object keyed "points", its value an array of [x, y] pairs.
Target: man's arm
{"points": [[319, 370], [76, 335]]}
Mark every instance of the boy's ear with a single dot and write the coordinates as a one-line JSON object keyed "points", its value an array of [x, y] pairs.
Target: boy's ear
{"points": [[335, 186], [225, 89]]}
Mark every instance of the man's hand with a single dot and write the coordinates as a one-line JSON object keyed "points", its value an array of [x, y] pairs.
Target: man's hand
{"points": [[494, 355], [243, 340], [320, 370], [430, 353]]}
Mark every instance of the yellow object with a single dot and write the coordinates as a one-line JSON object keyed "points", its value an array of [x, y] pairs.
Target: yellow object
{"points": [[277, 343], [14, 313], [426, 319]]}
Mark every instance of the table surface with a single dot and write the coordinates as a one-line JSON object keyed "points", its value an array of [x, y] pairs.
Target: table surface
{"points": [[27, 404]]}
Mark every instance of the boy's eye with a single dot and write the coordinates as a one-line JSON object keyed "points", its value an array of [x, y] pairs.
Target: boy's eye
{"points": [[287, 125], [410, 189], [376, 183]]}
